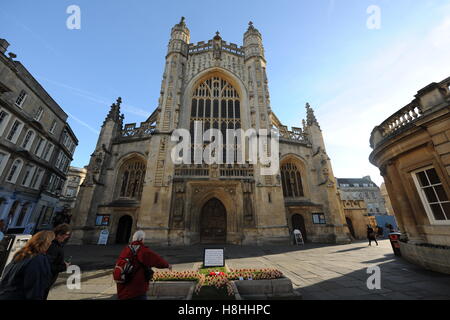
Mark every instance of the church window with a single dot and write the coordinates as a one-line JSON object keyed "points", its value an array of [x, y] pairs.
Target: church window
{"points": [[291, 180], [216, 103], [131, 176]]}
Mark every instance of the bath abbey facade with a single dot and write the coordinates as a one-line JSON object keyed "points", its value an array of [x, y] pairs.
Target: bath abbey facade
{"points": [[133, 183]]}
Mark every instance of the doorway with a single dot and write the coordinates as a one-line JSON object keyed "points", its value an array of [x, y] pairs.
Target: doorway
{"points": [[298, 222], [213, 222], [124, 229]]}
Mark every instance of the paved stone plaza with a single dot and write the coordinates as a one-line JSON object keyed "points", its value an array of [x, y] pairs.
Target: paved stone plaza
{"points": [[317, 271]]}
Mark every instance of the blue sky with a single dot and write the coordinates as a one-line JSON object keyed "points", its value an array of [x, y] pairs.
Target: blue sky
{"points": [[319, 52]]}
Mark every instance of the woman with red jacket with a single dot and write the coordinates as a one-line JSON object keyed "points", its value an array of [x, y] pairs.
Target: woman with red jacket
{"points": [[137, 287]]}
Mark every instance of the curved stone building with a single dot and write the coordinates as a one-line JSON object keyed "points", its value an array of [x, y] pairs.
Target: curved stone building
{"points": [[412, 150]]}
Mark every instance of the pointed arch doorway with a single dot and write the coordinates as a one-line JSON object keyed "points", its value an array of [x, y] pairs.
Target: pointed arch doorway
{"points": [[298, 222], [213, 222], [124, 229]]}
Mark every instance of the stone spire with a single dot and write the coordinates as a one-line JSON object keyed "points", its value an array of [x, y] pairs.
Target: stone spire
{"points": [[253, 46], [114, 112], [180, 37], [182, 23], [252, 29], [310, 117], [180, 31], [217, 36]]}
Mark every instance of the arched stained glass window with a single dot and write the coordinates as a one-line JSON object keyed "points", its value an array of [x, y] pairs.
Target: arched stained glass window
{"points": [[131, 179], [216, 103], [291, 180]]}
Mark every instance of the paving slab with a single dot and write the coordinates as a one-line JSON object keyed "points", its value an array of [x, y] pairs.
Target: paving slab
{"points": [[317, 271]]}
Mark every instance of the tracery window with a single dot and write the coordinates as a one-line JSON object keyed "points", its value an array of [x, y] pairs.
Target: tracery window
{"points": [[216, 103], [291, 180], [131, 177]]}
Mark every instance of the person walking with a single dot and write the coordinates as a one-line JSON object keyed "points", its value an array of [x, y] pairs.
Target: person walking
{"points": [[391, 228], [28, 275], [55, 253], [371, 235], [142, 259]]}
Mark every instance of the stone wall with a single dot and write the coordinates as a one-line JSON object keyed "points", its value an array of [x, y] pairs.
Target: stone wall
{"points": [[435, 259], [356, 211]]}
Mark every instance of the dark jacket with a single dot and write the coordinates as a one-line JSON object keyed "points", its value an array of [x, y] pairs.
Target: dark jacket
{"points": [[370, 234], [55, 255], [27, 279], [138, 286]]}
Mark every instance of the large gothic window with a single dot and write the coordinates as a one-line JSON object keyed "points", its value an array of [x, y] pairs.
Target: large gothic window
{"points": [[131, 179], [216, 103], [292, 181]]}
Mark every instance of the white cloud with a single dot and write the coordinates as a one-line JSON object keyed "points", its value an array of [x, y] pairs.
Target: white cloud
{"points": [[101, 101], [440, 36], [375, 89], [84, 124]]}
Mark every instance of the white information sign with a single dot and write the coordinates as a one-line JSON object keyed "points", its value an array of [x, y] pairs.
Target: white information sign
{"points": [[213, 258], [298, 237], [103, 238]]}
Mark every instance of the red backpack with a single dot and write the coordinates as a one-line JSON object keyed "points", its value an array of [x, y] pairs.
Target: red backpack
{"points": [[125, 267]]}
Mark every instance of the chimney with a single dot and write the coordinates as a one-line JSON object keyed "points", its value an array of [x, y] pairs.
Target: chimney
{"points": [[3, 45]]}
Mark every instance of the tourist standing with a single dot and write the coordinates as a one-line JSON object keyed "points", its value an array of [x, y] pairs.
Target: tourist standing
{"points": [[56, 253], [142, 259], [28, 275], [371, 235]]}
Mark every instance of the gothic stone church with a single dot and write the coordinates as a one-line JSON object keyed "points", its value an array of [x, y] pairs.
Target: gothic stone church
{"points": [[132, 182]]}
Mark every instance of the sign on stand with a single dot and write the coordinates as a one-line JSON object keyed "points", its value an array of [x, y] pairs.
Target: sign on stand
{"points": [[213, 258], [103, 238], [298, 237]]}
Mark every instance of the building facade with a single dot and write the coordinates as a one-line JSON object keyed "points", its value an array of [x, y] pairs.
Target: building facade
{"points": [[363, 189], [412, 150], [133, 183], [357, 218], [36, 148], [70, 189], [387, 200]]}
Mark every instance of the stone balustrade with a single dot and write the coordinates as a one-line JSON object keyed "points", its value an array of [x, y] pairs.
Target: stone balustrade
{"points": [[395, 123], [296, 134], [223, 171], [130, 131], [202, 46]]}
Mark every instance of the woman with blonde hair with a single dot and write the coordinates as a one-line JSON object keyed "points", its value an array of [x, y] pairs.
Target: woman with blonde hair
{"points": [[28, 275]]}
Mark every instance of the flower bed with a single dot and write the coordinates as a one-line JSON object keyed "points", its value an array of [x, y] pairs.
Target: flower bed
{"points": [[217, 282]]}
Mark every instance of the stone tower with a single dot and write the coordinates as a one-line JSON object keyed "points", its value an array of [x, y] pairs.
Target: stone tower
{"points": [[153, 215], [326, 180], [92, 189]]}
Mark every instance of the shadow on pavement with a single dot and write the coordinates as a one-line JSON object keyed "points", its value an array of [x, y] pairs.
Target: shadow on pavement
{"points": [[399, 280], [94, 257]]}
